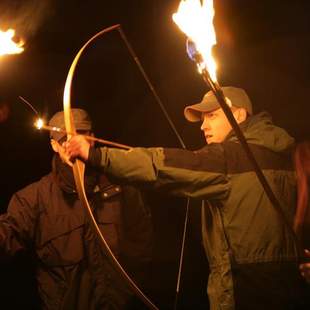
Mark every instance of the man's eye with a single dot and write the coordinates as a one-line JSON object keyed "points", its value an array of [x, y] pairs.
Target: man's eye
{"points": [[211, 115]]}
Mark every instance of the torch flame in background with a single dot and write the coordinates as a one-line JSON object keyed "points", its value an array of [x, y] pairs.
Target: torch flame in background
{"points": [[39, 123], [195, 19], [7, 45]]}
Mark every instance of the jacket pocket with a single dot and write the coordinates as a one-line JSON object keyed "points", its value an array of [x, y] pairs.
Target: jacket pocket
{"points": [[61, 241]]}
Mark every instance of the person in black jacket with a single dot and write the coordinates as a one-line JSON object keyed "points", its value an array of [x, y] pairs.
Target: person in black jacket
{"points": [[47, 218]]}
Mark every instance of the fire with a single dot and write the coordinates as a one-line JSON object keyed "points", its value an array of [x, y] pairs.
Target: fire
{"points": [[7, 45], [195, 19], [39, 123]]}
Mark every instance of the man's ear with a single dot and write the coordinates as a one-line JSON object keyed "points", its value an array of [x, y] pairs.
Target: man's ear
{"points": [[241, 115]]}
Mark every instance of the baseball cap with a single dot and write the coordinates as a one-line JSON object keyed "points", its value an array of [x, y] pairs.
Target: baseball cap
{"points": [[81, 121], [237, 97]]}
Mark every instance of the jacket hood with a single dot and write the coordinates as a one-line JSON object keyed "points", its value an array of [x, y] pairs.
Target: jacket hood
{"points": [[259, 129]]}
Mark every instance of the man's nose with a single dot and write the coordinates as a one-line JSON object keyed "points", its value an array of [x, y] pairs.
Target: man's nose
{"points": [[204, 125]]}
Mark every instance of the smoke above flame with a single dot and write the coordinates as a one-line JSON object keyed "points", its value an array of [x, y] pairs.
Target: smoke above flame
{"points": [[26, 16]]}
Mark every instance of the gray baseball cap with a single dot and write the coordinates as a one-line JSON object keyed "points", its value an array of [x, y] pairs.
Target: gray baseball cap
{"points": [[81, 121], [237, 97]]}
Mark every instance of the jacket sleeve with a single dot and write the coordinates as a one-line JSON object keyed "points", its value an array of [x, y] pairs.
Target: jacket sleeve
{"points": [[18, 224], [176, 171]]}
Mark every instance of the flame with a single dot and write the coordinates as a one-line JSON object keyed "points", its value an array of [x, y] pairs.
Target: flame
{"points": [[195, 19], [7, 45], [39, 123]]}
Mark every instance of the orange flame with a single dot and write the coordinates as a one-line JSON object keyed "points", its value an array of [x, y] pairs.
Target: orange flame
{"points": [[7, 45], [195, 19], [39, 123]]}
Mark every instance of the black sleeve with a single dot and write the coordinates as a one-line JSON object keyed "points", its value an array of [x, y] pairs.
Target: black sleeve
{"points": [[94, 157], [17, 226]]}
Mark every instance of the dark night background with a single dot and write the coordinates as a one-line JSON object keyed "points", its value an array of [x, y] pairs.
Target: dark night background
{"points": [[263, 46]]}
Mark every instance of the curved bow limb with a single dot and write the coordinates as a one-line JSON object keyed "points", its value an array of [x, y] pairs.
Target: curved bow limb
{"points": [[79, 168]]}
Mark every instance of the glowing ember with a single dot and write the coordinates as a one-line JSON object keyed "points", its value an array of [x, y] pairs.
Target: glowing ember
{"points": [[196, 21], [7, 45], [39, 123]]}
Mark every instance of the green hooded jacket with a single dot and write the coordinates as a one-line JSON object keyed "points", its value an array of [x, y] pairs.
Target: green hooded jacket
{"points": [[252, 255]]}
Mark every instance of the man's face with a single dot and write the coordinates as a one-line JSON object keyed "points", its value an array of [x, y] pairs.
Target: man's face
{"points": [[215, 126]]}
